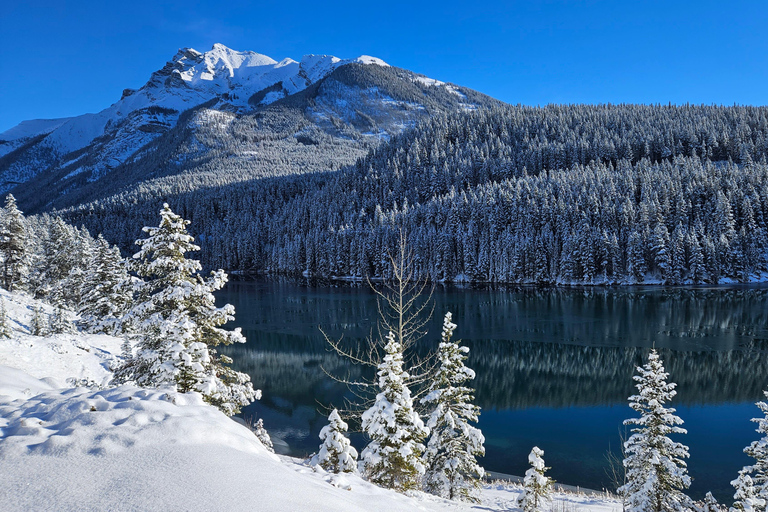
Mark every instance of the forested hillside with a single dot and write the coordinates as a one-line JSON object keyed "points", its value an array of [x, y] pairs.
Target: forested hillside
{"points": [[559, 194]]}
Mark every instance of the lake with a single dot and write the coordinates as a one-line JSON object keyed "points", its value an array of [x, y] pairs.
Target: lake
{"points": [[554, 367]]}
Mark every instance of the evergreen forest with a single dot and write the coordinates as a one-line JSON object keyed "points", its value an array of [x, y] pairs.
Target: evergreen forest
{"points": [[586, 194]]}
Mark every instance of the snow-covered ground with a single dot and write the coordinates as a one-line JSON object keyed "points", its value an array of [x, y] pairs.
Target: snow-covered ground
{"points": [[62, 359], [77, 448]]}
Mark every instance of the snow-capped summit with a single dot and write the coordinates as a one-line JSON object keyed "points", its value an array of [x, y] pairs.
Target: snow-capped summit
{"points": [[189, 79], [240, 75]]}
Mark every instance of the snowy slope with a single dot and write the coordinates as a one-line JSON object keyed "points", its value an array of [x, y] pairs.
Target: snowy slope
{"points": [[15, 137], [32, 127], [134, 449], [61, 359]]}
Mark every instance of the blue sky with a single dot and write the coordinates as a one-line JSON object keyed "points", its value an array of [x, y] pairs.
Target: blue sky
{"points": [[63, 58]]}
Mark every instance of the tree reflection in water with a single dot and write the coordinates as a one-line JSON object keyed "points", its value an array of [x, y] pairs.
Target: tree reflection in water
{"points": [[543, 358]]}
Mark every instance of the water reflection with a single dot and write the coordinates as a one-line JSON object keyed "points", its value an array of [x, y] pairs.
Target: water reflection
{"points": [[554, 367]]}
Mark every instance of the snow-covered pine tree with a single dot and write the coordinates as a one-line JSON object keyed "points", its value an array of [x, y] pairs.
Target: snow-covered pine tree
{"points": [[656, 472], [69, 292], [59, 259], [537, 486], [13, 245], [451, 468], [126, 348], [752, 483], [60, 321], [392, 459], [39, 324], [746, 498], [50, 265], [710, 504], [178, 324], [336, 453], [108, 291], [5, 327], [263, 436]]}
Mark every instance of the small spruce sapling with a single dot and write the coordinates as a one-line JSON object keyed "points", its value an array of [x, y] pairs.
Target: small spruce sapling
{"points": [[709, 504], [5, 328], [752, 484], [537, 486], [39, 324], [60, 322], [656, 472], [336, 454], [452, 469], [393, 457], [263, 436], [126, 348], [746, 498]]}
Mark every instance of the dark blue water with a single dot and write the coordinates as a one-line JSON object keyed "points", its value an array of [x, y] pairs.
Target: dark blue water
{"points": [[554, 367]]}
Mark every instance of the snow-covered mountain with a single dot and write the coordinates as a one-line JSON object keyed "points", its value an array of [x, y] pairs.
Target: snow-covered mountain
{"points": [[362, 100], [187, 80]]}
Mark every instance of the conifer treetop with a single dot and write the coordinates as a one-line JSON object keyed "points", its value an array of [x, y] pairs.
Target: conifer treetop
{"points": [[165, 246], [653, 392], [752, 484], [453, 445], [655, 464], [336, 453], [392, 458]]}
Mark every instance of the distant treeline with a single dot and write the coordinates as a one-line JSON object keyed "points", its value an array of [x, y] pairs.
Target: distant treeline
{"points": [[558, 194]]}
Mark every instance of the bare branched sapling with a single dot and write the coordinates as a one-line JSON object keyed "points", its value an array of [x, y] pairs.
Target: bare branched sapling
{"points": [[404, 308]]}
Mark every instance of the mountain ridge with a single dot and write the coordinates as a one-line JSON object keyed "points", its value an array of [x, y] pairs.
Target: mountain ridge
{"points": [[249, 112], [184, 82]]}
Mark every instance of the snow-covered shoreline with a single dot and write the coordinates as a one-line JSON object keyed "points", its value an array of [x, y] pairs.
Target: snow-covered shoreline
{"points": [[64, 447], [462, 281]]}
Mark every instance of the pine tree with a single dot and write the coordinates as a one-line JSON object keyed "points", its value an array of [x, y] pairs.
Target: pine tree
{"points": [[74, 285], [752, 484], [710, 504], [13, 245], [536, 486], [58, 259], [177, 322], [392, 458], [39, 324], [126, 348], [336, 453], [636, 259], [60, 322], [746, 498], [108, 291], [5, 328], [452, 470], [656, 471], [263, 436]]}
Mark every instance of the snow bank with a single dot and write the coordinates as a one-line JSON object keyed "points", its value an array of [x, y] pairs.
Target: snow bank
{"points": [[63, 359], [129, 448]]}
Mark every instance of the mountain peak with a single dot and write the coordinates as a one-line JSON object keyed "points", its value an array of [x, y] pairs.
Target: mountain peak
{"points": [[367, 59], [239, 80]]}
